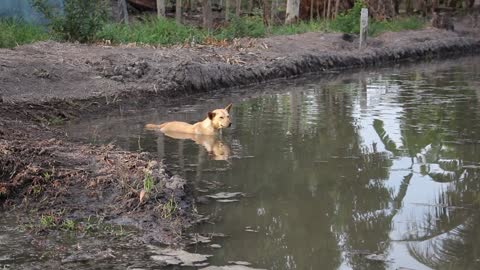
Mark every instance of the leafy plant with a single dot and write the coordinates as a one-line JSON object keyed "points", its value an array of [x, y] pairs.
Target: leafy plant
{"points": [[47, 221], [16, 32], [150, 30], [168, 208], [147, 182], [242, 27], [80, 20], [68, 225], [349, 22]]}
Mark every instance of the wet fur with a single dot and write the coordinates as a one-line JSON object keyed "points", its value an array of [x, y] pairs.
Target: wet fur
{"points": [[215, 121]]}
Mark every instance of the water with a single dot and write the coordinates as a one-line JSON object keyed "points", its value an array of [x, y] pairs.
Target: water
{"points": [[334, 170]]}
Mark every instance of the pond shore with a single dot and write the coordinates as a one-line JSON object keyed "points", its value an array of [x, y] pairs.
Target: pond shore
{"points": [[43, 85]]}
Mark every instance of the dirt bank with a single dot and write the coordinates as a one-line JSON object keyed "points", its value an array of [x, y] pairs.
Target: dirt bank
{"points": [[45, 84]]}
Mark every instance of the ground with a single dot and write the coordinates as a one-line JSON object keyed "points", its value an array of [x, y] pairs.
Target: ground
{"points": [[43, 85]]}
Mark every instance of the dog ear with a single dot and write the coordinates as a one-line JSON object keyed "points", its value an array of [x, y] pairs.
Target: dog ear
{"points": [[228, 107], [211, 115]]}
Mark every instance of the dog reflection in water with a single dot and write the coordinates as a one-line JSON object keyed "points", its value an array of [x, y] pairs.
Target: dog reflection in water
{"points": [[203, 132], [215, 147]]}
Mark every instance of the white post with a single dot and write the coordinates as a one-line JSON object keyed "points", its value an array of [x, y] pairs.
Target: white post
{"points": [[363, 27]]}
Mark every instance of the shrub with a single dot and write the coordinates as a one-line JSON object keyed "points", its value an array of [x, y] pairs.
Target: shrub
{"points": [[80, 20], [16, 32], [349, 22], [151, 30], [242, 27]]}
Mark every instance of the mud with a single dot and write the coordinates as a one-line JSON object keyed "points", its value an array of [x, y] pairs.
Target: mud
{"points": [[45, 84]]}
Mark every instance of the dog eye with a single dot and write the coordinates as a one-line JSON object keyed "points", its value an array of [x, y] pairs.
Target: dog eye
{"points": [[221, 117]]}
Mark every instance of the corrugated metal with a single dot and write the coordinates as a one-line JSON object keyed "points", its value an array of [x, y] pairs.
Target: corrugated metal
{"points": [[23, 9]]}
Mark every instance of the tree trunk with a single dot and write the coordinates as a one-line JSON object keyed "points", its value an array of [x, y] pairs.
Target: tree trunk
{"points": [[238, 8], [178, 11], [250, 6], [325, 9], [227, 10], [409, 6], [381, 9], [337, 4], [396, 4], [267, 13], [123, 9], [293, 10], [311, 10], [207, 14], [161, 8], [328, 9]]}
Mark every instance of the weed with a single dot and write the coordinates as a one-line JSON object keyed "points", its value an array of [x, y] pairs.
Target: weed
{"points": [[348, 22], [242, 27], [68, 225], [17, 32], [55, 121], [80, 20], [47, 221], [168, 209], [147, 182], [46, 176], [36, 189], [407, 23], [151, 30], [300, 27]]}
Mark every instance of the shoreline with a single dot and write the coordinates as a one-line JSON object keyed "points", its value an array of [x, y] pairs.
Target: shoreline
{"points": [[47, 84]]}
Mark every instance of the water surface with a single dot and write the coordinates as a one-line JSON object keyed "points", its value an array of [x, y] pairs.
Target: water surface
{"points": [[380, 162]]}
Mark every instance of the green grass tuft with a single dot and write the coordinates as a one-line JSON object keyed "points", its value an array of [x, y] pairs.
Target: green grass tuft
{"points": [[152, 30], [17, 32], [396, 25]]}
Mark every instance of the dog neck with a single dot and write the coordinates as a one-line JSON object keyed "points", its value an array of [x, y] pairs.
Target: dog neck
{"points": [[207, 124]]}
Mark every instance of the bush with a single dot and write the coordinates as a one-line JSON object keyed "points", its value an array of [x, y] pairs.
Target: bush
{"points": [[151, 30], [298, 28], [408, 23], [242, 27], [79, 21], [16, 32], [349, 22]]}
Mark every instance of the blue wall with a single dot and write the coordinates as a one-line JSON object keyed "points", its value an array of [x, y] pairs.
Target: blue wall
{"points": [[23, 9]]}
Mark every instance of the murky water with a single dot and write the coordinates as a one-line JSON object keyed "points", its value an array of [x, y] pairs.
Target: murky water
{"points": [[334, 171]]}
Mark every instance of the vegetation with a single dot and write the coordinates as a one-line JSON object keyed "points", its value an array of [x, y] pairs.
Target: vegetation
{"points": [[79, 21], [17, 32], [88, 21]]}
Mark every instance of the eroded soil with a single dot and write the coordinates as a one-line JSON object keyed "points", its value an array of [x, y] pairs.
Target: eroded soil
{"points": [[45, 84]]}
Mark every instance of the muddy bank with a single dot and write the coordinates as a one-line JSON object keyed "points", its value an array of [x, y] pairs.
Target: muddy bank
{"points": [[45, 84], [104, 74], [46, 176]]}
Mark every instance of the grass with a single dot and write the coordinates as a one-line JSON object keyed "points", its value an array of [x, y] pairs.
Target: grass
{"points": [[168, 209], [399, 24], [147, 182], [15, 32], [47, 221], [151, 30], [162, 32]]}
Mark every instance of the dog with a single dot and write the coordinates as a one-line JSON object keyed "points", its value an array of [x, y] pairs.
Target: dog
{"points": [[216, 121]]}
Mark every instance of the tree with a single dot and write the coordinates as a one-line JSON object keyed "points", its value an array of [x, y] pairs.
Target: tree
{"points": [[238, 8], [178, 11], [207, 14], [293, 10], [161, 8]]}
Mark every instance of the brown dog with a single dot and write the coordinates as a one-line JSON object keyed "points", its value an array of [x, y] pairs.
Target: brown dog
{"points": [[216, 120]]}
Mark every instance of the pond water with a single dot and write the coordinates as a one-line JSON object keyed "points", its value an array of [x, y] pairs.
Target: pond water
{"points": [[372, 170]]}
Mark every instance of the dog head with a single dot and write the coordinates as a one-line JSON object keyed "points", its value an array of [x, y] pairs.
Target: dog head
{"points": [[220, 117]]}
